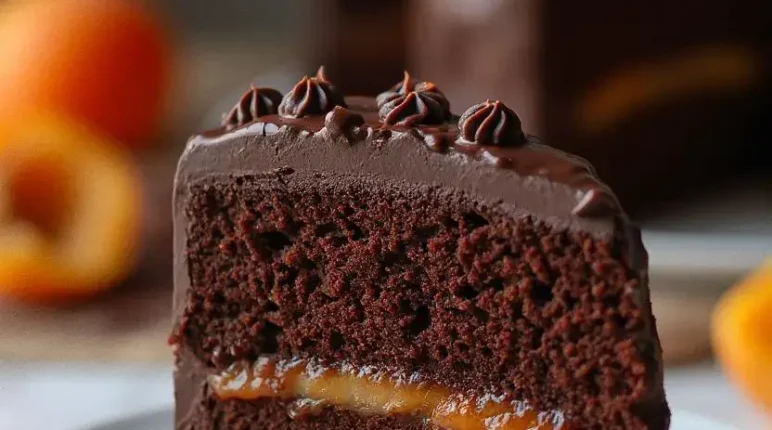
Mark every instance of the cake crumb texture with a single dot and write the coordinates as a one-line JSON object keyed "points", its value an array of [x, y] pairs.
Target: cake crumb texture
{"points": [[416, 279]]}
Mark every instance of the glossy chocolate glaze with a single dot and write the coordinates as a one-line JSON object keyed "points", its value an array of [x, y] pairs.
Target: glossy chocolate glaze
{"points": [[531, 163]]}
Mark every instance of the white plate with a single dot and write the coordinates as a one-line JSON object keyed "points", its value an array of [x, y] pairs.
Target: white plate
{"points": [[163, 420]]}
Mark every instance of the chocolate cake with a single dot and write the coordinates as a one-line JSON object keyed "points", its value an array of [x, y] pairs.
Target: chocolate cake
{"points": [[380, 263]]}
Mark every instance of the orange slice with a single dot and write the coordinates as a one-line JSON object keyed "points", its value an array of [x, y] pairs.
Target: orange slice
{"points": [[742, 334], [69, 211]]}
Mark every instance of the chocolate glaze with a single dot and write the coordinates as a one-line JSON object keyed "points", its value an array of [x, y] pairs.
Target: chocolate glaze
{"points": [[343, 122], [540, 169], [530, 179]]}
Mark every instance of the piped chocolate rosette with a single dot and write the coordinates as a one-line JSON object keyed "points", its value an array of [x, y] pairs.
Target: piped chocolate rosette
{"points": [[491, 123], [410, 103], [311, 96], [256, 102]]}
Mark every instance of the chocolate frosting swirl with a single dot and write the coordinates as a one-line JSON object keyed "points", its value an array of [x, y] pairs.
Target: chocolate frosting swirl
{"points": [[405, 86], [413, 108], [253, 104], [491, 123], [410, 103], [311, 96], [408, 85]]}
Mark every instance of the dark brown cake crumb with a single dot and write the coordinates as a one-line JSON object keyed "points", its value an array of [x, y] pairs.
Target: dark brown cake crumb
{"points": [[412, 278]]}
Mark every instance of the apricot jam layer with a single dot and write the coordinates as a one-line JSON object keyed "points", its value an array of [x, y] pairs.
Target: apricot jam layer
{"points": [[371, 392]]}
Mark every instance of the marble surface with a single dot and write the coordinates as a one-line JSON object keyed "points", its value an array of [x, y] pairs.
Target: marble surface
{"points": [[77, 396]]}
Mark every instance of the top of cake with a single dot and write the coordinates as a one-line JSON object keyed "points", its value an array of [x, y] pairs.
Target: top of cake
{"points": [[404, 128]]}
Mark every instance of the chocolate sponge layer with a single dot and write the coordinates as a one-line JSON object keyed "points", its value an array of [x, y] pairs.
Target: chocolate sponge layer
{"points": [[472, 295]]}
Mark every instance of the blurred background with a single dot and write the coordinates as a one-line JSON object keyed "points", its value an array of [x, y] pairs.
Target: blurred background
{"points": [[671, 101]]}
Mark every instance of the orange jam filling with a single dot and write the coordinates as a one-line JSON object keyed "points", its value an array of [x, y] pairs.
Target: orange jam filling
{"points": [[368, 391]]}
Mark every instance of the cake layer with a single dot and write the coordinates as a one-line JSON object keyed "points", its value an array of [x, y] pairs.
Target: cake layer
{"points": [[370, 391], [475, 295]]}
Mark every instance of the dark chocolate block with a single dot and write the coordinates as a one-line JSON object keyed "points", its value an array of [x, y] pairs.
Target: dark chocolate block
{"points": [[471, 255]]}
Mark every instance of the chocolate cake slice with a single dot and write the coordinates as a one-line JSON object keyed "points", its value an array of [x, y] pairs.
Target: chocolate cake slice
{"points": [[379, 263]]}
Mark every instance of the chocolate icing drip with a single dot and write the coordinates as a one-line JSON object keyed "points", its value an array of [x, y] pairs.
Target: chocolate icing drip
{"points": [[343, 122], [253, 104], [491, 123], [414, 108], [311, 96]]}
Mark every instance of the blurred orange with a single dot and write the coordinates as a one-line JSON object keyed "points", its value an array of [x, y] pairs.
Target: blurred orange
{"points": [[742, 334], [105, 63], [69, 212], [721, 68]]}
